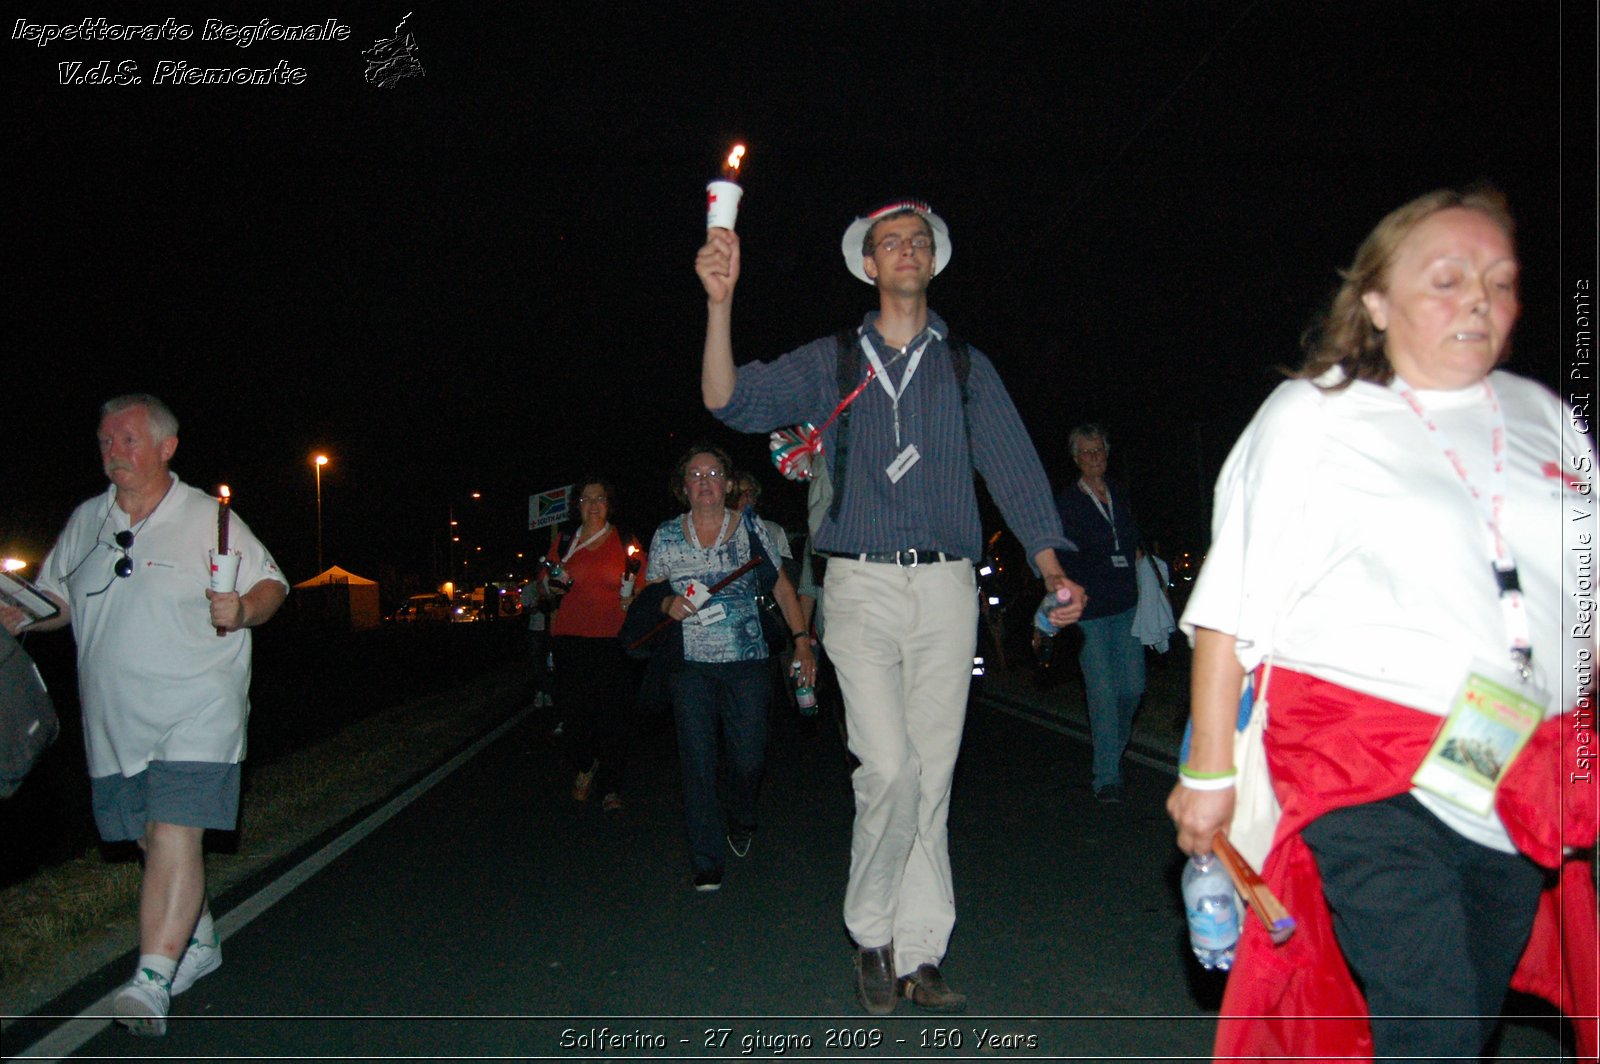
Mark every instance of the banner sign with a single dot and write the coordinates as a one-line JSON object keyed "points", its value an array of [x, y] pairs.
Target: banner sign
{"points": [[548, 508]]}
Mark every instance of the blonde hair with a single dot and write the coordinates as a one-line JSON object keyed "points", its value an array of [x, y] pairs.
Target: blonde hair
{"points": [[1344, 335]]}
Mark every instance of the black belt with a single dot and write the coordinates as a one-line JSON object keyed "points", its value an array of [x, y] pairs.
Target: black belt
{"points": [[910, 557]]}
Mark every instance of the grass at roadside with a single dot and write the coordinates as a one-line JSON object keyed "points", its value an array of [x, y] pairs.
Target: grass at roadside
{"points": [[74, 917]]}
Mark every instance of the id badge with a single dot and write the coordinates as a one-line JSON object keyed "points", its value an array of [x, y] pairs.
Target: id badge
{"points": [[903, 462], [1119, 561], [710, 615], [1490, 720]]}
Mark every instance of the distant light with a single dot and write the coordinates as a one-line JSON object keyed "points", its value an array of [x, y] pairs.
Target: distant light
{"points": [[994, 600], [986, 571], [477, 495]]}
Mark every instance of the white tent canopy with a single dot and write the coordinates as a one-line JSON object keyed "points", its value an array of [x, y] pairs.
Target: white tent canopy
{"points": [[344, 593]]}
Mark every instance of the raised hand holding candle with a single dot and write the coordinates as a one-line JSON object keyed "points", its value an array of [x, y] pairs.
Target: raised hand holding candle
{"points": [[723, 194]]}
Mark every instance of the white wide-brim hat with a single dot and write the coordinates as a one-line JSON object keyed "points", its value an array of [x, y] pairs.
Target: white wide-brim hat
{"points": [[858, 230]]}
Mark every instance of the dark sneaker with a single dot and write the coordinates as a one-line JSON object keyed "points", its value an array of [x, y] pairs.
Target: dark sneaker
{"points": [[927, 989], [739, 842], [875, 979], [1110, 794], [708, 881]]}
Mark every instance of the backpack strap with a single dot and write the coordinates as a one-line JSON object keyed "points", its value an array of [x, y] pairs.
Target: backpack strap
{"points": [[849, 367], [961, 363]]}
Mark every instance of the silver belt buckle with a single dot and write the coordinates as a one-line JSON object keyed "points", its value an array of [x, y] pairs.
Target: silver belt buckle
{"points": [[899, 554]]}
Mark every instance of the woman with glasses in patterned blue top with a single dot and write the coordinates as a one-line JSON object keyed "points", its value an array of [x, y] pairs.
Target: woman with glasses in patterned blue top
{"points": [[721, 688]]}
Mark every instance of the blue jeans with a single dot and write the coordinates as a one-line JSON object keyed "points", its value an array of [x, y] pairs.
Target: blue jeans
{"points": [[730, 698], [1112, 660]]}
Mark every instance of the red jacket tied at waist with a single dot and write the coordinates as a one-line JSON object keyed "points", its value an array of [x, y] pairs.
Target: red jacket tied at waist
{"points": [[1330, 747]]}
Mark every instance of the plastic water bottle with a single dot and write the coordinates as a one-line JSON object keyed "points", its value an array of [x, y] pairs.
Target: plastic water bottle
{"points": [[1052, 601], [805, 696], [1208, 901]]}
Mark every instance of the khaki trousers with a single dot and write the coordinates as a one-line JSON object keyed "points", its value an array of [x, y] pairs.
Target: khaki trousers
{"points": [[901, 640]]}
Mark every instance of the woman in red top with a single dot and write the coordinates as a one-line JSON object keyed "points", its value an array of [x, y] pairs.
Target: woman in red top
{"points": [[598, 570]]}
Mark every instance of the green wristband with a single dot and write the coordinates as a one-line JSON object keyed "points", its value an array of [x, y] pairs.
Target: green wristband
{"points": [[1189, 773]]}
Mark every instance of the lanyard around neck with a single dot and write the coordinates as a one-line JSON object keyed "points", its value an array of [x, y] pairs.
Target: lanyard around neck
{"points": [[1108, 510], [905, 380], [1490, 502], [694, 536], [579, 544]]}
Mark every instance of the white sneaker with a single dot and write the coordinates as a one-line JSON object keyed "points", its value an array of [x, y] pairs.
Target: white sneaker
{"points": [[141, 1006], [199, 961]]}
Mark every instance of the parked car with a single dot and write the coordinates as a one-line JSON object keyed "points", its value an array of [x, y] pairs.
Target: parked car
{"points": [[428, 607]]}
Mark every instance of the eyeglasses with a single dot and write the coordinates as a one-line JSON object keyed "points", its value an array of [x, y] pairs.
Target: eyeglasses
{"points": [[894, 241], [124, 567], [592, 500], [704, 474], [1091, 452]]}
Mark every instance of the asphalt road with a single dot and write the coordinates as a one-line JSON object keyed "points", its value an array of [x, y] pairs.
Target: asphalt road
{"points": [[494, 916]]}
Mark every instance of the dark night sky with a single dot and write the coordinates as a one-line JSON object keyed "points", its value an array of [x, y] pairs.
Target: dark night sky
{"points": [[481, 279]]}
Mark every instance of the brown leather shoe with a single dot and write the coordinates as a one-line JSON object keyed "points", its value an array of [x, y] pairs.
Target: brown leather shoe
{"points": [[927, 989], [875, 979]]}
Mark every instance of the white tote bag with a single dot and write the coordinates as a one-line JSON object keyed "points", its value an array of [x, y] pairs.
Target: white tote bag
{"points": [[1255, 805]]}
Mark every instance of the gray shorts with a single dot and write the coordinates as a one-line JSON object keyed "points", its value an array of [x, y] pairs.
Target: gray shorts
{"points": [[196, 794]]}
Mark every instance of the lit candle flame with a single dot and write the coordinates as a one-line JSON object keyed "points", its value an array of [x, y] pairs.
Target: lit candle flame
{"points": [[224, 493], [730, 165], [632, 550]]}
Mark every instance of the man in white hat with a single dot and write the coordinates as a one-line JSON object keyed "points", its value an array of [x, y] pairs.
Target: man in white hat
{"points": [[901, 535]]}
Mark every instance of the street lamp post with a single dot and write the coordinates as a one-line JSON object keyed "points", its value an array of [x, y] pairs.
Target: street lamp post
{"points": [[455, 537], [317, 462]]}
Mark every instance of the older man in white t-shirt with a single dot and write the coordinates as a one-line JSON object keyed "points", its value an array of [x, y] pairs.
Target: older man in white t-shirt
{"points": [[163, 677]]}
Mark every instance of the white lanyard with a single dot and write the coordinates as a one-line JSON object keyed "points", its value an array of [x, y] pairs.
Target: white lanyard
{"points": [[578, 544], [883, 378], [688, 527], [1108, 510], [1492, 507]]}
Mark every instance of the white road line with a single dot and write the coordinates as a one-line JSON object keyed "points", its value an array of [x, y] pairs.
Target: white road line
{"points": [[72, 1035]]}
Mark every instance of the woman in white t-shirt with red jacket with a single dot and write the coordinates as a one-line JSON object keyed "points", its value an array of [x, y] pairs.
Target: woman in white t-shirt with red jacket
{"points": [[1403, 533]]}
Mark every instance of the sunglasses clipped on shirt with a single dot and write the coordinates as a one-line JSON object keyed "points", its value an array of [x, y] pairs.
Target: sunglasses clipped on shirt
{"points": [[124, 567]]}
